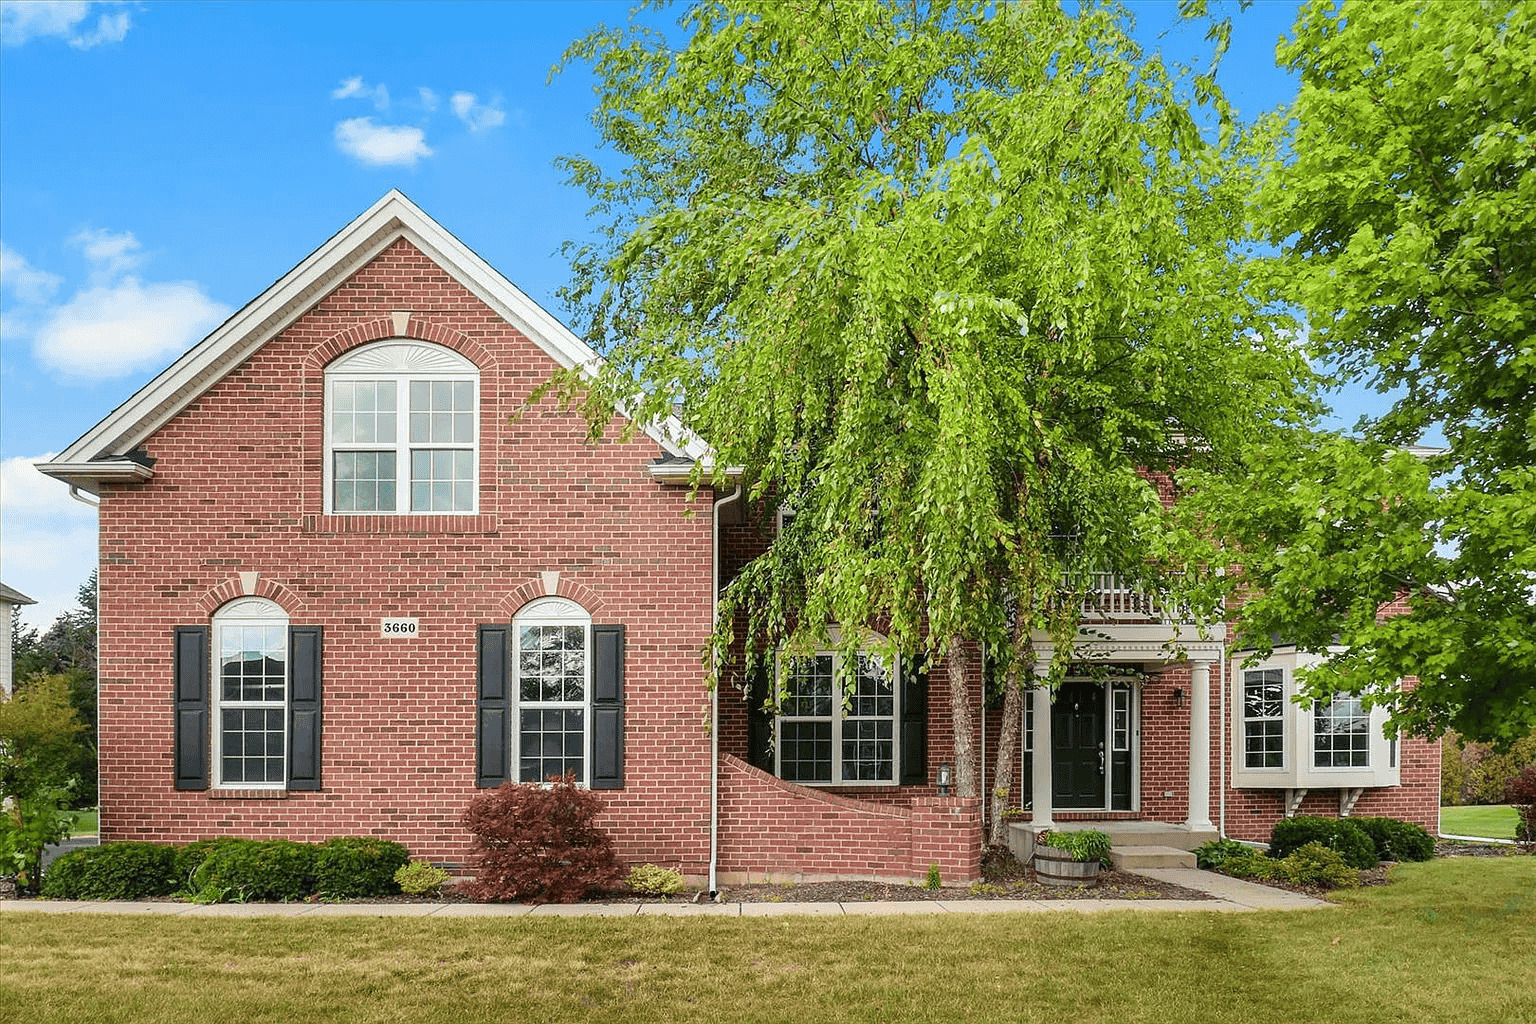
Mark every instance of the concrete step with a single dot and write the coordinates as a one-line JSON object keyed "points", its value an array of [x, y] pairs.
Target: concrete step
{"points": [[1121, 833], [1145, 855]]}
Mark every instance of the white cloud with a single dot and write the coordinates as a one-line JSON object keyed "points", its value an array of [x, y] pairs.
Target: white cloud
{"points": [[476, 116], [428, 98], [351, 88], [26, 282], [111, 330], [37, 19], [112, 254], [381, 144], [47, 538]]}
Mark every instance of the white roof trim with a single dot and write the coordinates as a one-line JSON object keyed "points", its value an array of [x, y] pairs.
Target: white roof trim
{"points": [[391, 218]]}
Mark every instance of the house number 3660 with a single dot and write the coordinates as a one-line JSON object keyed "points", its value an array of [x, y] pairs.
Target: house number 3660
{"points": [[400, 627]]}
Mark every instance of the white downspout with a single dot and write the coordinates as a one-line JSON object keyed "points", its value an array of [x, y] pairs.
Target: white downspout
{"points": [[74, 492], [714, 703], [1226, 737]]}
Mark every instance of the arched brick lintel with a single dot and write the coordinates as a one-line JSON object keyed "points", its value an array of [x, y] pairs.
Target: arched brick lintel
{"points": [[416, 329], [230, 589], [568, 588]]}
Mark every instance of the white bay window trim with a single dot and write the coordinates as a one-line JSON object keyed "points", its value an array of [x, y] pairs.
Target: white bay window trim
{"points": [[402, 431], [1300, 747]]}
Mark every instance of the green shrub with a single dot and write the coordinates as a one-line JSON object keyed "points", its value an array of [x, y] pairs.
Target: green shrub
{"points": [[255, 869], [419, 878], [934, 880], [1316, 864], [1084, 845], [654, 881], [190, 857], [116, 871], [1341, 834], [1252, 864], [356, 868], [1398, 840], [1216, 852]]}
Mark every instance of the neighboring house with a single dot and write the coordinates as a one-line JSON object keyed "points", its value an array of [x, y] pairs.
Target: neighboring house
{"points": [[10, 600], [350, 576]]}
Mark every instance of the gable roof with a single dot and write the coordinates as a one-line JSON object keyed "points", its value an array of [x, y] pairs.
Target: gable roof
{"points": [[12, 596], [103, 453]]}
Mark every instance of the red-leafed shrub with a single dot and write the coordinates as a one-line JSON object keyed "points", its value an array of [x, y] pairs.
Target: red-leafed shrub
{"points": [[538, 843], [1521, 792]]}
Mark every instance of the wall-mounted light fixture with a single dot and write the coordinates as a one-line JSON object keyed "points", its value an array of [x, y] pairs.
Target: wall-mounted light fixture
{"points": [[946, 779], [1178, 696]]}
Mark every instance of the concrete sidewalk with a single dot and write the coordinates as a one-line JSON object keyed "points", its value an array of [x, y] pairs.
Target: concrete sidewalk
{"points": [[1232, 895]]}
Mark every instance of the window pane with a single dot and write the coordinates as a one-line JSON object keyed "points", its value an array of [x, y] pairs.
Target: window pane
{"points": [[420, 423], [463, 396], [421, 400], [442, 395], [463, 428], [805, 751]]}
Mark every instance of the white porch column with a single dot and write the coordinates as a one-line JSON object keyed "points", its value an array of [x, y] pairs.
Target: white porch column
{"points": [[1200, 745], [1041, 766]]}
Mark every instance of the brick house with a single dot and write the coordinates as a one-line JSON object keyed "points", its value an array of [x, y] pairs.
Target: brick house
{"points": [[350, 575]]}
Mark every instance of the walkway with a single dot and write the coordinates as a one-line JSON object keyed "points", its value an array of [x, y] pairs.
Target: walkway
{"points": [[1232, 895]]}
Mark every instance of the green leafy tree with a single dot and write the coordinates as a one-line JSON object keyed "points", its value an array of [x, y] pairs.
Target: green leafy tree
{"points": [[952, 283], [1407, 212], [38, 737], [68, 648]]}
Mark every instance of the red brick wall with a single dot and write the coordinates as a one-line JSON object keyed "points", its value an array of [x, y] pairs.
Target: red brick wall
{"points": [[771, 830], [238, 487]]}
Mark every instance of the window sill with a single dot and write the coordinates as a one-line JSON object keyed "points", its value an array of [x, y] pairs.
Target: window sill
{"points": [[248, 794], [437, 524]]}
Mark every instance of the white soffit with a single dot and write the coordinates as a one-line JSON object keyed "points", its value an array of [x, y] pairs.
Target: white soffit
{"points": [[391, 218]]}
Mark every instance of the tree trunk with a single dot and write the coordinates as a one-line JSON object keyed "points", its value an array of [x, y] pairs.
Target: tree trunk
{"points": [[1007, 752], [957, 657]]}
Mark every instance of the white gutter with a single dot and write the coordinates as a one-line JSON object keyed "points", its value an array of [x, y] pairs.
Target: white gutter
{"points": [[714, 703]]}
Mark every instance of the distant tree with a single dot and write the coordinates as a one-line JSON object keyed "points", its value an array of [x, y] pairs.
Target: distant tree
{"points": [[1406, 206], [68, 649], [945, 280], [39, 735]]}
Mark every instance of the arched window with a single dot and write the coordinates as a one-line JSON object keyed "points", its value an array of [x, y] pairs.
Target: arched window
{"points": [[552, 684], [250, 695], [401, 430]]}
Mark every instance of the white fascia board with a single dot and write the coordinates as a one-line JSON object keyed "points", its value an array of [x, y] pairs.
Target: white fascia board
{"points": [[681, 472], [391, 218], [86, 475]]}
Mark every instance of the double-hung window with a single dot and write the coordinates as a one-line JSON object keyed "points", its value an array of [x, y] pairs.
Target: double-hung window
{"points": [[250, 686], [553, 686], [1264, 711], [1341, 733], [402, 435], [829, 736]]}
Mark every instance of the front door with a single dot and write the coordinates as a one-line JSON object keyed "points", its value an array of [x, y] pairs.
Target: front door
{"points": [[1077, 745]]}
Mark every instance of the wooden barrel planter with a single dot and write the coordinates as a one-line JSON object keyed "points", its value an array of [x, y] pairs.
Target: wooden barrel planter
{"points": [[1058, 867]]}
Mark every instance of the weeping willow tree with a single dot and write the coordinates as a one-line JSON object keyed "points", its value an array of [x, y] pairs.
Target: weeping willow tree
{"points": [[956, 283]]}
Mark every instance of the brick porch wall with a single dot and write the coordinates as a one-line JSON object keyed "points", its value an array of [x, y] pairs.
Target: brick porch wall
{"points": [[772, 830]]}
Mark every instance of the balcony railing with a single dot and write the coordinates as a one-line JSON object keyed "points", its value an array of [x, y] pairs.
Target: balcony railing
{"points": [[1110, 599]]}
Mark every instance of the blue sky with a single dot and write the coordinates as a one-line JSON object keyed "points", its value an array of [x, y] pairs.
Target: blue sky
{"points": [[163, 163]]}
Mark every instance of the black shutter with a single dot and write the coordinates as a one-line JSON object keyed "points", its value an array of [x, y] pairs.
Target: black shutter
{"points": [[304, 643], [914, 725], [192, 682], [760, 719], [492, 730], [608, 707]]}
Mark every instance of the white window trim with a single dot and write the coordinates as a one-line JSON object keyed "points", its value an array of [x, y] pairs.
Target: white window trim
{"points": [[1286, 689], [838, 703], [401, 360], [1300, 770], [551, 611], [250, 611]]}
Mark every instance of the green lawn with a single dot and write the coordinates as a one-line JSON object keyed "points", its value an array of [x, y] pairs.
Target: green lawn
{"points": [[1453, 940], [86, 822], [1491, 821]]}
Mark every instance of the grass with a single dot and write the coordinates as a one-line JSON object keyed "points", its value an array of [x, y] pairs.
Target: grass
{"points": [[86, 822], [1491, 821], [1413, 951]]}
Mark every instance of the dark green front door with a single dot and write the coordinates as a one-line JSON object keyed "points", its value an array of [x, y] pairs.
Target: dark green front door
{"points": [[1077, 745]]}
